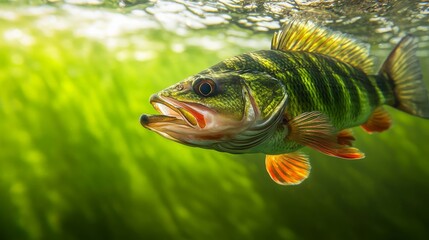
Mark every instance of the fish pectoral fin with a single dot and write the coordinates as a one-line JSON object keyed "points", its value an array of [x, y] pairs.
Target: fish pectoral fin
{"points": [[313, 129], [379, 121], [288, 169]]}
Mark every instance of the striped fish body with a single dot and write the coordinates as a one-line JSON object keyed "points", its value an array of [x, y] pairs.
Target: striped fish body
{"points": [[316, 82], [308, 90]]}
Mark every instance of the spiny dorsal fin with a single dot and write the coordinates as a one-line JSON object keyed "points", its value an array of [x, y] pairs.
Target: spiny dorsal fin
{"points": [[309, 37]]}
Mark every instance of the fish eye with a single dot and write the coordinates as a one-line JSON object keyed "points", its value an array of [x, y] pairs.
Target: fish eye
{"points": [[205, 87]]}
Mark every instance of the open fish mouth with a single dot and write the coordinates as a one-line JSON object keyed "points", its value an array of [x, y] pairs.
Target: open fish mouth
{"points": [[172, 112]]}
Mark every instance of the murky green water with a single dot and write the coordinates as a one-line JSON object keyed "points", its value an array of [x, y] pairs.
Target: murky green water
{"points": [[76, 164]]}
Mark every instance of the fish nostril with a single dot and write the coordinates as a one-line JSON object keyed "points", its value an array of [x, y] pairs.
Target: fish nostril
{"points": [[179, 87]]}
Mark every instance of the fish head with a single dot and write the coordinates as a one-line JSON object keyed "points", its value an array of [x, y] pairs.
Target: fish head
{"points": [[210, 110]]}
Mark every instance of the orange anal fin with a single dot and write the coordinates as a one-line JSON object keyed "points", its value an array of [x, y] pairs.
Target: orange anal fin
{"points": [[379, 121], [345, 137], [342, 152], [288, 169], [314, 130]]}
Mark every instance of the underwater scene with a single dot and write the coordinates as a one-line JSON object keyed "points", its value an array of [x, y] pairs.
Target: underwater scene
{"points": [[76, 163]]}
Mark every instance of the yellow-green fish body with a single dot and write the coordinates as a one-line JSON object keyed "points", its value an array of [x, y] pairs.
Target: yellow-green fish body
{"points": [[308, 90], [312, 82]]}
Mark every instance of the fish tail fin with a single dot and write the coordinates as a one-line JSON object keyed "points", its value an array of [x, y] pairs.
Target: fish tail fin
{"points": [[403, 73]]}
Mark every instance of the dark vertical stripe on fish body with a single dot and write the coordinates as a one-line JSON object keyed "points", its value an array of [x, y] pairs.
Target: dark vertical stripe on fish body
{"points": [[305, 90], [369, 88], [384, 89], [353, 104], [301, 98], [326, 95], [327, 87], [325, 91]]}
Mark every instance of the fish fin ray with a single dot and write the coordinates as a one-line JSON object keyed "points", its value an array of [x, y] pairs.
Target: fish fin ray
{"points": [[379, 121], [314, 130], [402, 69], [309, 37], [288, 169], [345, 137]]}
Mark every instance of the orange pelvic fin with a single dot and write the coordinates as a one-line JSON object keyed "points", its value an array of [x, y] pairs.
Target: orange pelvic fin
{"points": [[314, 130], [288, 169], [379, 121]]}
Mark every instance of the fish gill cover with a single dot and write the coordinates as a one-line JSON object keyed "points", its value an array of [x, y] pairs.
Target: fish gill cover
{"points": [[76, 164]]}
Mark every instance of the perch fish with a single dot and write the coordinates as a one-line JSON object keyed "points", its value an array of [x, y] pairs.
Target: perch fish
{"points": [[308, 90]]}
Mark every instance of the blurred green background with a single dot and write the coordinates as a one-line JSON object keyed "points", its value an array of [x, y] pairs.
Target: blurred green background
{"points": [[76, 164]]}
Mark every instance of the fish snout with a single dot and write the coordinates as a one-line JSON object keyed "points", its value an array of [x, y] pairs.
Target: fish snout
{"points": [[144, 119], [154, 98]]}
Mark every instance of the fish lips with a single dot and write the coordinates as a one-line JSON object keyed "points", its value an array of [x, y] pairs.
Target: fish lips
{"points": [[173, 112]]}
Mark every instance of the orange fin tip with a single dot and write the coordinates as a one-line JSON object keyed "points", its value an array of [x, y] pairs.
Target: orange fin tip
{"points": [[379, 121], [288, 169], [314, 130]]}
